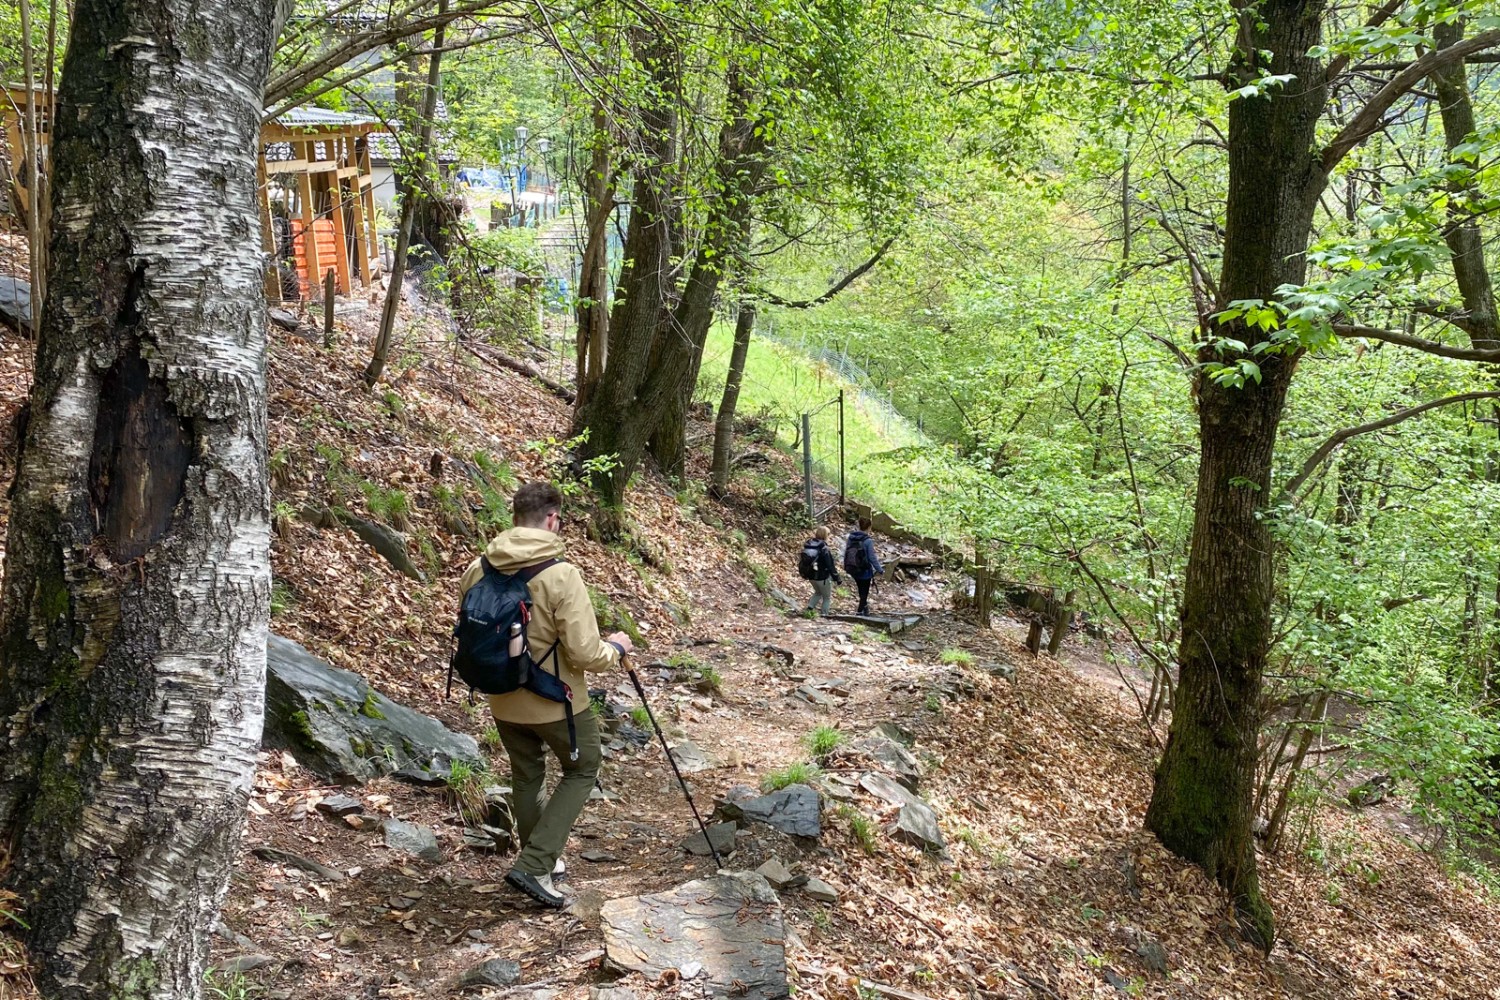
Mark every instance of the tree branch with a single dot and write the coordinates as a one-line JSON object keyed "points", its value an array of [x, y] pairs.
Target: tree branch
{"points": [[848, 279], [1328, 447], [1416, 343], [1384, 14], [1367, 122], [286, 84]]}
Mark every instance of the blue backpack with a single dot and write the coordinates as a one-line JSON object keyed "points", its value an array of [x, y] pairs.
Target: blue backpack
{"points": [[491, 607]]}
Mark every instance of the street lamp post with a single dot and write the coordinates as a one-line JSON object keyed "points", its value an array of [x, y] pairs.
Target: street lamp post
{"points": [[543, 147], [522, 132]]}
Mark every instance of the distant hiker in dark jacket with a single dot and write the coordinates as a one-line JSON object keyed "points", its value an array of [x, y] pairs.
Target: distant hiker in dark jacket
{"points": [[816, 565], [861, 563]]}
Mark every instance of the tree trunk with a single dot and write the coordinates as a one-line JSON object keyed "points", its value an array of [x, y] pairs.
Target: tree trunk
{"points": [[593, 281], [1465, 242], [137, 580], [657, 335], [1201, 803], [744, 326], [411, 192], [1480, 320]]}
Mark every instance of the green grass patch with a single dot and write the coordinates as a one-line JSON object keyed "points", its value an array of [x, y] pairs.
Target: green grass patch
{"points": [[823, 741], [861, 826], [794, 774], [781, 382], [953, 655]]}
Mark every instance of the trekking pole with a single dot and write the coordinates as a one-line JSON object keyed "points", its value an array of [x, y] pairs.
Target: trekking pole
{"points": [[718, 864]]}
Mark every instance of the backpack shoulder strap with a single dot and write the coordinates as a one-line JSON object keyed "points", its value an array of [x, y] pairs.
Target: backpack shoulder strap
{"points": [[527, 573]]}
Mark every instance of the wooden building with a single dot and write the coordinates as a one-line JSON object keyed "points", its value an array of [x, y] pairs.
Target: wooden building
{"points": [[315, 177]]}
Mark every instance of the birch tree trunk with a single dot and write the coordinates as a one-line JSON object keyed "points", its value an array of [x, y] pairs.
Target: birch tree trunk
{"points": [[136, 591]]}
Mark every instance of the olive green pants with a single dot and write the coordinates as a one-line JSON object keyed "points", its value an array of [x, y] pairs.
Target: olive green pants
{"points": [[544, 822]]}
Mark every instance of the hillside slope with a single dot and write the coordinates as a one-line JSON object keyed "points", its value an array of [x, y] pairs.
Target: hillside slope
{"points": [[1050, 889]]}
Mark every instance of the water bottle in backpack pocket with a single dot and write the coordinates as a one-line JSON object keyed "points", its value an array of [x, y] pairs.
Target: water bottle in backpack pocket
{"points": [[807, 563], [493, 655]]}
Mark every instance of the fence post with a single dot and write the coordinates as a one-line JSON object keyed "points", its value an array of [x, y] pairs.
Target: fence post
{"points": [[328, 308], [841, 447], [807, 486]]}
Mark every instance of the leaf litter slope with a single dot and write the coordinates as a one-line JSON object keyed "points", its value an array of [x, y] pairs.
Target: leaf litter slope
{"points": [[1051, 890]]}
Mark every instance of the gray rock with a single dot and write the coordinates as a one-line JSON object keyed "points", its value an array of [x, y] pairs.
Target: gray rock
{"points": [[795, 810], [419, 776], [1152, 955], [497, 800], [893, 757], [813, 697], [821, 891], [601, 857], [339, 727], [15, 303], [244, 963], [775, 873], [611, 993], [1004, 671], [412, 839], [892, 731], [915, 823], [690, 758], [720, 834], [495, 972], [486, 838], [731, 924], [341, 805]]}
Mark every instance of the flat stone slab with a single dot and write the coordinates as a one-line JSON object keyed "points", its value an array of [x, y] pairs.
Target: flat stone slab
{"points": [[338, 726], [495, 972], [795, 810], [893, 757], [730, 925], [691, 759], [340, 805], [721, 835], [915, 822]]}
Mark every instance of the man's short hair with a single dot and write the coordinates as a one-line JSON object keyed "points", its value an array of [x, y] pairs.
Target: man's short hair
{"points": [[864, 524], [533, 502], [821, 533]]}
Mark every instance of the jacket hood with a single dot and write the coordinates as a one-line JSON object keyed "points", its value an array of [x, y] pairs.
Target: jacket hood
{"points": [[521, 547], [816, 543], [857, 536]]}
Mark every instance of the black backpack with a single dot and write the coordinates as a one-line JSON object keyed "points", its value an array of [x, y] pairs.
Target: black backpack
{"points": [[482, 658], [856, 556], [807, 565]]}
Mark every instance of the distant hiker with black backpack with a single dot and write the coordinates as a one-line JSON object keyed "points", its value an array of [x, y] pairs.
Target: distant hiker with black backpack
{"points": [[816, 565], [861, 563], [526, 634]]}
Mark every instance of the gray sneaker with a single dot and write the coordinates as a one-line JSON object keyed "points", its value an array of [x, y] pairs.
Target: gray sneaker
{"points": [[538, 887], [559, 871]]}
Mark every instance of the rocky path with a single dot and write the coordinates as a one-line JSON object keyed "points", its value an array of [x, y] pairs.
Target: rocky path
{"points": [[381, 888]]}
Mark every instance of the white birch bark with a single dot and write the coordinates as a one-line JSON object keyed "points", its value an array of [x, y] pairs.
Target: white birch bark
{"points": [[136, 592]]}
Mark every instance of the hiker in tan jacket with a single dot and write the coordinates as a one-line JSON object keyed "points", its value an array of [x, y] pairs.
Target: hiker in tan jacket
{"points": [[529, 724]]}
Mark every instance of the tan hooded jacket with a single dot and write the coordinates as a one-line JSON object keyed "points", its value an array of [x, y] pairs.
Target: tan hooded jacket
{"points": [[560, 609]]}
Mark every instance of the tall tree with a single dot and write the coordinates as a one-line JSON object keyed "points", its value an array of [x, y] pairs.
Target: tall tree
{"points": [[1201, 803], [137, 577], [659, 321]]}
